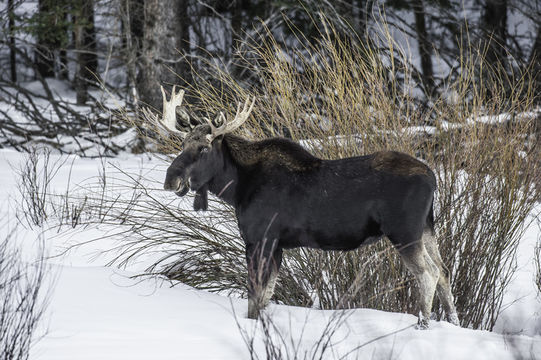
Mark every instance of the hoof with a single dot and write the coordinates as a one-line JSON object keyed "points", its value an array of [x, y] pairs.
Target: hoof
{"points": [[453, 319], [253, 315], [253, 310], [422, 323]]}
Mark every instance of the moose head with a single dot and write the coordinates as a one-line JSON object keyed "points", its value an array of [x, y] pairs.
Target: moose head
{"points": [[201, 156]]}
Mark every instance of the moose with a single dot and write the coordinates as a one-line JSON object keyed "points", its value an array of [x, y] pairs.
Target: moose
{"points": [[284, 197]]}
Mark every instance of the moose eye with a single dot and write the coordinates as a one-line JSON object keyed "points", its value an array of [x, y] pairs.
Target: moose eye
{"points": [[204, 150]]}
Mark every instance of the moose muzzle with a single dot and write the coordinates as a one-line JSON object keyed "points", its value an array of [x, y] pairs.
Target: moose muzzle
{"points": [[176, 184]]}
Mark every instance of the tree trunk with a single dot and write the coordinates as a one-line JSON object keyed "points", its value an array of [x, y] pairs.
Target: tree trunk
{"points": [[63, 72], [63, 60], [425, 47], [164, 36], [237, 14], [148, 79], [11, 29], [183, 67], [80, 84], [88, 41], [536, 48], [85, 48], [362, 10], [44, 56], [132, 17], [535, 60], [494, 28]]}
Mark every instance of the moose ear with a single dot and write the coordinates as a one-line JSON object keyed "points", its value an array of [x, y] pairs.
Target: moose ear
{"points": [[217, 140], [219, 119]]}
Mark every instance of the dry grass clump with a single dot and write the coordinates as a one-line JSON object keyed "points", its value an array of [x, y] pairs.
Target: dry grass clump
{"points": [[36, 174], [23, 298], [339, 98]]}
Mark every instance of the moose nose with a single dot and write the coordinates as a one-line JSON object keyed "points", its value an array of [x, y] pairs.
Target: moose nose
{"points": [[172, 184]]}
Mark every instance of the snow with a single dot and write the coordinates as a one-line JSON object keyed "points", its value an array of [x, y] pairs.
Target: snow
{"points": [[504, 117], [99, 312], [522, 303]]}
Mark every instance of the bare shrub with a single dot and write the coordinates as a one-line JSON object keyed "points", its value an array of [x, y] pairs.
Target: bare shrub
{"points": [[38, 202], [23, 299], [343, 280], [342, 98], [39, 116], [271, 339], [201, 250], [35, 176]]}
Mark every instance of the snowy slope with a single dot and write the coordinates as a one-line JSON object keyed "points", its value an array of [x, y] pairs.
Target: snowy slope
{"points": [[98, 312]]}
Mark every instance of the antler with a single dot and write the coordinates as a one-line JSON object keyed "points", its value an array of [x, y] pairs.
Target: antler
{"points": [[168, 120], [227, 127]]}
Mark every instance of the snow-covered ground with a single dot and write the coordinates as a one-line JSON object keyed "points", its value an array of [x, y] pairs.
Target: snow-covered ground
{"points": [[98, 312]]}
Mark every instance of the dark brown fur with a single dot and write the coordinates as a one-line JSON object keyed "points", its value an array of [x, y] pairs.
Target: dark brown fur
{"points": [[271, 152], [397, 163]]}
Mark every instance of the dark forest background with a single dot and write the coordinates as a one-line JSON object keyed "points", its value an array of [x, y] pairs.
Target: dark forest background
{"points": [[130, 47]]}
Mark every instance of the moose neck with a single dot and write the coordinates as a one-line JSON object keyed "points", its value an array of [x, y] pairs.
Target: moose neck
{"points": [[241, 156], [224, 184]]}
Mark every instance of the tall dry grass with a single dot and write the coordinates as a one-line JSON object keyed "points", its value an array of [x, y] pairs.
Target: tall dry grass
{"points": [[340, 98], [344, 99]]}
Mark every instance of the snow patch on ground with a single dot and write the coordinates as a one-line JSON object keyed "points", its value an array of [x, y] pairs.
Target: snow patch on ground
{"points": [[97, 312]]}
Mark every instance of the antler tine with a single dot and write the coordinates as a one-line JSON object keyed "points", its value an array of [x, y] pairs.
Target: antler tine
{"points": [[240, 118], [155, 121], [216, 130], [169, 119]]}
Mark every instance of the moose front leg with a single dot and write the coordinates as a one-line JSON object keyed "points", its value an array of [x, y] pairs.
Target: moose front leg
{"points": [[263, 266]]}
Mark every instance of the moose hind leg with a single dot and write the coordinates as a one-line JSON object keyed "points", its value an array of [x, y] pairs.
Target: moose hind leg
{"points": [[443, 288], [426, 273], [268, 290]]}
